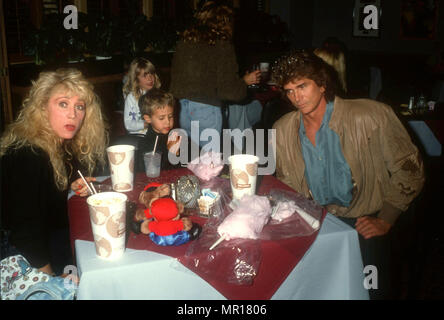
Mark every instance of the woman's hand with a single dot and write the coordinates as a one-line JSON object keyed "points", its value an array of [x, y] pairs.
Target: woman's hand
{"points": [[252, 77], [79, 186]]}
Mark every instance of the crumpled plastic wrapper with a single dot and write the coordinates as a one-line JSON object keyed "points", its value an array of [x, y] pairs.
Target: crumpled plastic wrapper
{"points": [[208, 166], [304, 221], [237, 260]]}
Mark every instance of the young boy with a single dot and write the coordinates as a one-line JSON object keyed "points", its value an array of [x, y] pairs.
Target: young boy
{"points": [[157, 109]]}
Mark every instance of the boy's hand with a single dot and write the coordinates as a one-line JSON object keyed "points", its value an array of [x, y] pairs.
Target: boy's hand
{"points": [[173, 143]]}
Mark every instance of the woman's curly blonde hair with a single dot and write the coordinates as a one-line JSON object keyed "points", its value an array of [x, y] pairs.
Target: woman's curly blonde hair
{"points": [[32, 127], [213, 22], [138, 66]]}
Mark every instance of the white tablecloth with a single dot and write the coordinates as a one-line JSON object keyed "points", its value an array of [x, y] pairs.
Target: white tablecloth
{"points": [[331, 269]]}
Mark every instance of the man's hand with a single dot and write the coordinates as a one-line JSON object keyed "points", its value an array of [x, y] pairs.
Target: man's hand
{"points": [[370, 227]]}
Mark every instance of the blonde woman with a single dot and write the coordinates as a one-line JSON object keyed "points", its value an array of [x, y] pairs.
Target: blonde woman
{"points": [[142, 77], [334, 56], [59, 129]]}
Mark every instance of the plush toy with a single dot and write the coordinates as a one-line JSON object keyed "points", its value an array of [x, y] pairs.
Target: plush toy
{"points": [[151, 192], [161, 219]]}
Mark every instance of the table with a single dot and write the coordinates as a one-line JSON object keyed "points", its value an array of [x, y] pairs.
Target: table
{"points": [[427, 129], [426, 136], [330, 269]]}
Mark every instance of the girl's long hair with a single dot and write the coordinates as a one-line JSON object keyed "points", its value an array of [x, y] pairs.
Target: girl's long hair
{"points": [[334, 57], [32, 127], [138, 66]]}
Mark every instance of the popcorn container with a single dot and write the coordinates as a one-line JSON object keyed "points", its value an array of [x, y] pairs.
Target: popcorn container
{"points": [[107, 212]]}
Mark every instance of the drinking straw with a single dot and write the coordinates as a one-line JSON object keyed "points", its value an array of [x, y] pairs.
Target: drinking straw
{"points": [[217, 242], [155, 145], [92, 186], [86, 182]]}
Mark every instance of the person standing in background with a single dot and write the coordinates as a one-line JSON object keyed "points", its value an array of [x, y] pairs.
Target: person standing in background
{"points": [[204, 72]]}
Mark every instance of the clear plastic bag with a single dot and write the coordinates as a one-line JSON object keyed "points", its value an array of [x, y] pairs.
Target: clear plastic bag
{"points": [[295, 225], [208, 166], [222, 188], [237, 261]]}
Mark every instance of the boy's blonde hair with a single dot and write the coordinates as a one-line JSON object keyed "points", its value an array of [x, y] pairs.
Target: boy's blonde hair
{"points": [[32, 127], [139, 65], [153, 100]]}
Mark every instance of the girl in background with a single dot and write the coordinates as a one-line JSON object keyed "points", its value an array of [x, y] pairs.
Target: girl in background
{"points": [[142, 77], [333, 54]]}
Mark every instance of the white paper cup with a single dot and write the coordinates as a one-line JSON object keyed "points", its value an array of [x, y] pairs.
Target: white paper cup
{"points": [[152, 164], [243, 174], [107, 212], [121, 163]]}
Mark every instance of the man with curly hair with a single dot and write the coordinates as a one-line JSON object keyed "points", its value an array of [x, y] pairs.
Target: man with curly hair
{"points": [[352, 156]]}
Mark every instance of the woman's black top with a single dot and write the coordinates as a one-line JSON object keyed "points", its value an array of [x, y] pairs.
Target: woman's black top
{"points": [[33, 209]]}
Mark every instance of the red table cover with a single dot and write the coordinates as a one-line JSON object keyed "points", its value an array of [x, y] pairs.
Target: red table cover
{"points": [[278, 258]]}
